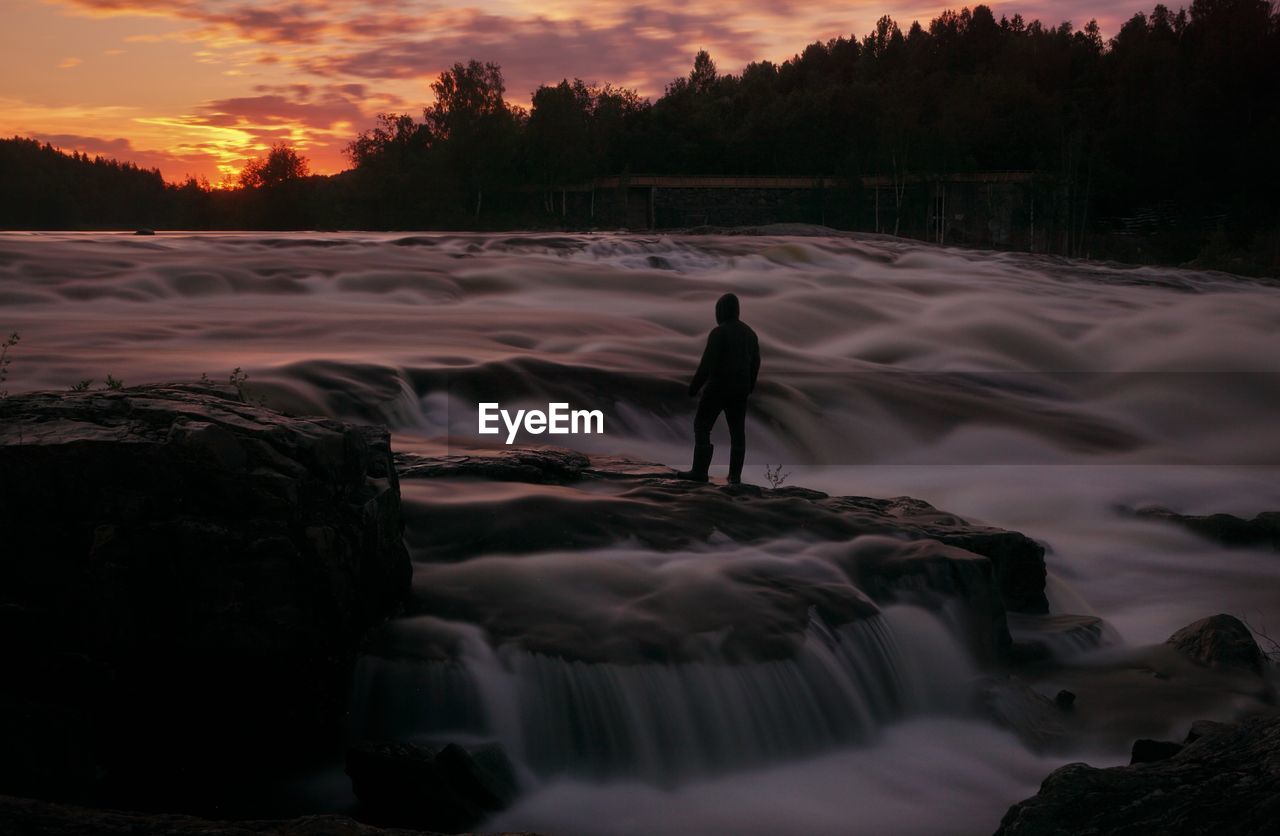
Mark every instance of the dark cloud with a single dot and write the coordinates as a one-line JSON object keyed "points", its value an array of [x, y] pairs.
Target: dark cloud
{"points": [[610, 41], [89, 144], [288, 24], [301, 91], [273, 108], [647, 45], [283, 22]]}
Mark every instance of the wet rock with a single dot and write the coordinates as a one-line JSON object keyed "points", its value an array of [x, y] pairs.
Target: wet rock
{"points": [[742, 489], [1150, 751], [185, 578], [547, 465], [447, 788], [1204, 728], [1219, 641], [1229, 530], [1022, 653], [487, 554], [1222, 783], [1057, 635], [936, 576], [1016, 706], [802, 493], [624, 501], [1065, 700]]}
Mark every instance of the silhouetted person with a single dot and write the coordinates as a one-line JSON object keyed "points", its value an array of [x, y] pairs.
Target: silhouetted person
{"points": [[730, 364]]}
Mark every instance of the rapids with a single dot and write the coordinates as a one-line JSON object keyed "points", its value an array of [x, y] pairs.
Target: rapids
{"points": [[1032, 393]]}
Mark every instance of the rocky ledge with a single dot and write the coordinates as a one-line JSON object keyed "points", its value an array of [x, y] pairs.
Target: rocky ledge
{"points": [[1225, 780], [654, 508], [1261, 531], [734, 569], [184, 581]]}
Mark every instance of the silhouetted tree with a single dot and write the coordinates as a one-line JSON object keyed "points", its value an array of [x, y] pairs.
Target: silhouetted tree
{"points": [[476, 129], [281, 165], [558, 138], [393, 173]]}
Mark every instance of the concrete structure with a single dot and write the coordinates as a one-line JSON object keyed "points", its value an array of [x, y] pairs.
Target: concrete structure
{"points": [[1006, 209]]}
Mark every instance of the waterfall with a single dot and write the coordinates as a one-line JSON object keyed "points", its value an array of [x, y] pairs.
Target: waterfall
{"points": [[669, 721]]}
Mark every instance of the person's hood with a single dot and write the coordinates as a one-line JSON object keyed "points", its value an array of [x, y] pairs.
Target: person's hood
{"points": [[726, 309]]}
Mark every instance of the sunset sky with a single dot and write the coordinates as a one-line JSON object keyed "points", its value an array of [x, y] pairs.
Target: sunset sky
{"points": [[197, 87]]}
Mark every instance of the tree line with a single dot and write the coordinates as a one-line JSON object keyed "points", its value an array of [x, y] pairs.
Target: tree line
{"points": [[1169, 127]]}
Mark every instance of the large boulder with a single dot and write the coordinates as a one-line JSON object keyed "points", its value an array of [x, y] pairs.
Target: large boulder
{"points": [[1016, 706], [447, 788], [1056, 635], [184, 581], [1222, 782], [1146, 750], [939, 577], [1219, 641], [1227, 529]]}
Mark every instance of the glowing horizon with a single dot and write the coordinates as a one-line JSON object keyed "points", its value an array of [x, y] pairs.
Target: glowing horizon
{"points": [[198, 88]]}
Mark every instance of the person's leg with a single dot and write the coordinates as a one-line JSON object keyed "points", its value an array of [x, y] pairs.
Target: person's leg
{"points": [[735, 414], [703, 420]]}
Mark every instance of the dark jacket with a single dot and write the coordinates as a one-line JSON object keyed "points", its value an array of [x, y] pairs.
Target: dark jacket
{"points": [[731, 360]]}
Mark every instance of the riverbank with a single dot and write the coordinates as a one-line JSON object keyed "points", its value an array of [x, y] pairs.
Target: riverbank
{"points": [[604, 588]]}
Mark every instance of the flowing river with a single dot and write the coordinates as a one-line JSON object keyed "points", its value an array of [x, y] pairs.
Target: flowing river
{"points": [[1028, 392]]}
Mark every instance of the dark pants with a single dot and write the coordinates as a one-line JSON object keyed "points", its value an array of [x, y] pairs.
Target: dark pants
{"points": [[734, 408]]}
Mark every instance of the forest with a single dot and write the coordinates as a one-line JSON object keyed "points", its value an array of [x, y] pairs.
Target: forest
{"points": [[1174, 120]]}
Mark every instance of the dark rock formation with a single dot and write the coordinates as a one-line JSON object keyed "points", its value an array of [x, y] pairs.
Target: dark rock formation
{"points": [[489, 553], [1043, 636], [1262, 530], [1204, 728], [1150, 751], [539, 465], [184, 581], [445, 788], [1016, 706], [1224, 782], [24, 817], [1065, 700], [1219, 641], [930, 574], [665, 513]]}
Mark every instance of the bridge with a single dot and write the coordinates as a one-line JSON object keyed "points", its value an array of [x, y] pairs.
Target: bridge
{"points": [[976, 207]]}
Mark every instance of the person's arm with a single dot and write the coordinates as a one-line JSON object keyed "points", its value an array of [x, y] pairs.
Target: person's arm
{"points": [[755, 359], [710, 356]]}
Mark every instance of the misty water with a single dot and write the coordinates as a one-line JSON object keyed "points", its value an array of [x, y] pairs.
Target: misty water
{"points": [[1027, 392]]}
